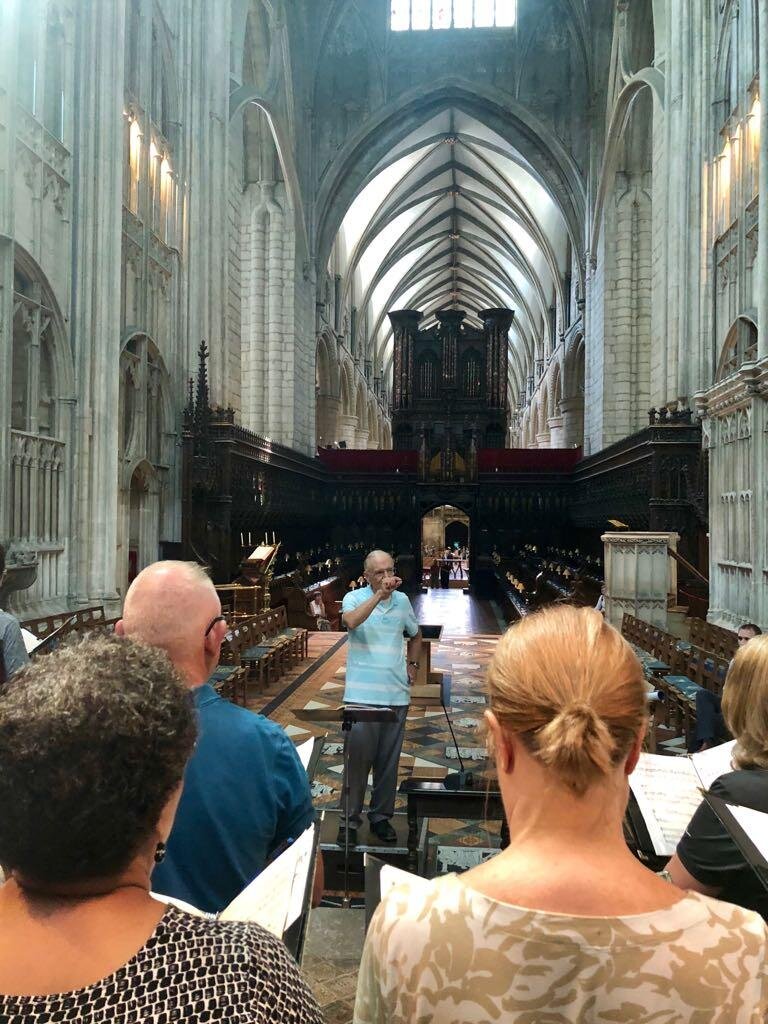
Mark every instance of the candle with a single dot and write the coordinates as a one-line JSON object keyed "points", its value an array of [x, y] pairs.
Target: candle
{"points": [[249, 538], [273, 536], [242, 544]]}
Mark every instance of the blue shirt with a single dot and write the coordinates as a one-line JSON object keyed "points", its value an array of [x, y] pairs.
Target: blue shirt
{"points": [[376, 672], [245, 792], [12, 648]]}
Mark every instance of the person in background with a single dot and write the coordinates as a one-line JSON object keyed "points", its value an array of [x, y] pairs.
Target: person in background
{"points": [[707, 859], [710, 724], [317, 608], [564, 924], [13, 652], [93, 743], [600, 606], [246, 792]]}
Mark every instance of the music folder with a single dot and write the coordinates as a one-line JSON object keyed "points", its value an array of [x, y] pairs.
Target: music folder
{"points": [[749, 830], [277, 898], [668, 790]]}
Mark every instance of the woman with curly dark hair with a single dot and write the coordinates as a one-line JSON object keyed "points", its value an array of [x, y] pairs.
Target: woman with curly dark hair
{"points": [[93, 743]]}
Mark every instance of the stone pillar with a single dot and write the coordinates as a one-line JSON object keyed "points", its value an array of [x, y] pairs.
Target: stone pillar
{"points": [[327, 419], [762, 236], [348, 429], [572, 410], [97, 231], [542, 440], [361, 438], [497, 323], [555, 424], [640, 576], [405, 323], [8, 52]]}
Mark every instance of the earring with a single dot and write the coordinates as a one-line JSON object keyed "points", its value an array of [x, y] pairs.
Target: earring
{"points": [[160, 851]]}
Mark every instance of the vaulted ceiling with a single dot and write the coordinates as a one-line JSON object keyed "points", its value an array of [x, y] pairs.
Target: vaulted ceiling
{"points": [[454, 217]]}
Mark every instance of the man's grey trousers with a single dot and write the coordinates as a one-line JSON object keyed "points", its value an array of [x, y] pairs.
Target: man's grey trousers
{"points": [[377, 746]]}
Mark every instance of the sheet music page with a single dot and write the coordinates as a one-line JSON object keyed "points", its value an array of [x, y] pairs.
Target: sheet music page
{"points": [[270, 897], [30, 640], [754, 823], [304, 846], [711, 764], [180, 905], [304, 750], [390, 877], [667, 793]]}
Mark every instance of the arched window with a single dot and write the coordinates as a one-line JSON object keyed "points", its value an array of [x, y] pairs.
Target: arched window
{"points": [[740, 347], [471, 375], [418, 15], [41, 378]]}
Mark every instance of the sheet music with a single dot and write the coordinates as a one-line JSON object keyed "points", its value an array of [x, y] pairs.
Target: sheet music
{"points": [[30, 640], [711, 764], [667, 793], [274, 899], [304, 750], [754, 823]]}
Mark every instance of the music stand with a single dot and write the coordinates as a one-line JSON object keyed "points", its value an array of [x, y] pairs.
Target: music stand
{"points": [[348, 715]]}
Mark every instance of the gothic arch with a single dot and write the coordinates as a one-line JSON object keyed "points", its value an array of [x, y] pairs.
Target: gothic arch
{"points": [[548, 159], [648, 78]]}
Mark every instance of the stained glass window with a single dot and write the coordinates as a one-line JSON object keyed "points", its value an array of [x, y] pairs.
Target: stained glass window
{"points": [[400, 15]]}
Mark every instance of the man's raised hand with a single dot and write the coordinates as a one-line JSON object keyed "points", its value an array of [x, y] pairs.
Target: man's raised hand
{"points": [[390, 583]]}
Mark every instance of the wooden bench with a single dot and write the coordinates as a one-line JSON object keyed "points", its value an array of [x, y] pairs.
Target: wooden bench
{"points": [[715, 639], [86, 619]]}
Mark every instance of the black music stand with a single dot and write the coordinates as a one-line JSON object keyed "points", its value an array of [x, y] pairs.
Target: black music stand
{"points": [[348, 715]]}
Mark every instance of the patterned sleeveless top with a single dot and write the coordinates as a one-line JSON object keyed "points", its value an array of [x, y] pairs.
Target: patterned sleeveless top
{"points": [[192, 970], [446, 954]]}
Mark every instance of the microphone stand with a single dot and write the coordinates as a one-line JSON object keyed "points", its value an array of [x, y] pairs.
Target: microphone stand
{"points": [[461, 779]]}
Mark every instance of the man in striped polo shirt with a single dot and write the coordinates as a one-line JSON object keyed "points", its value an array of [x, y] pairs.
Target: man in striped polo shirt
{"points": [[377, 616]]}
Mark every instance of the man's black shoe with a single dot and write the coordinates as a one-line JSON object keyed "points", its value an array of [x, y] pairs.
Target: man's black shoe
{"points": [[384, 832], [341, 837]]}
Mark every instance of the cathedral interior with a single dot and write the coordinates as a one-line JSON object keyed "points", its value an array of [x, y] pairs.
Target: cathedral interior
{"points": [[479, 283]]}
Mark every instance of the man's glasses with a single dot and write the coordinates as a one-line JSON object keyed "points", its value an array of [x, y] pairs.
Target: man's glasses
{"points": [[212, 623], [384, 572]]}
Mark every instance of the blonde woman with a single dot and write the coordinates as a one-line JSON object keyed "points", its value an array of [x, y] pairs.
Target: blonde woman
{"points": [[564, 925], [707, 859]]}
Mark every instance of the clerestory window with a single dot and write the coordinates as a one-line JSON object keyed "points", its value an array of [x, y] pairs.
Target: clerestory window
{"points": [[419, 15]]}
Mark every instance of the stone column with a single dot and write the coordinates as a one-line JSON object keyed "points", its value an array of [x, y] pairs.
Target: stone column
{"points": [[97, 229], [405, 323], [348, 429], [762, 236], [327, 419], [555, 424], [361, 438], [542, 440], [8, 52], [572, 410], [640, 576]]}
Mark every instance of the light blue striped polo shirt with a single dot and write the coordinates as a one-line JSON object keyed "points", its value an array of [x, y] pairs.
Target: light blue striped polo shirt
{"points": [[376, 672]]}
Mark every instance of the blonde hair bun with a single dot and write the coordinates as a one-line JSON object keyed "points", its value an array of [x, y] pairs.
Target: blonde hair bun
{"points": [[569, 685]]}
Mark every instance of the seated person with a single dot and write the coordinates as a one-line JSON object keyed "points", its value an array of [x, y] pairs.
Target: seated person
{"points": [[707, 859], [13, 651], [565, 924], [93, 742], [246, 791], [317, 608], [710, 725]]}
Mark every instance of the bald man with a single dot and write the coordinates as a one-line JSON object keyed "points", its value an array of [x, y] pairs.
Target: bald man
{"points": [[245, 789], [377, 616]]}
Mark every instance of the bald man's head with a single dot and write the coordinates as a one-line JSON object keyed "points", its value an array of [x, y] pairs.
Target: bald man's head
{"points": [[170, 605]]}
